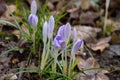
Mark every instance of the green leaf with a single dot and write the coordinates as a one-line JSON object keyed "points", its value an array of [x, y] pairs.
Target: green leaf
{"points": [[7, 22], [6, 52]]}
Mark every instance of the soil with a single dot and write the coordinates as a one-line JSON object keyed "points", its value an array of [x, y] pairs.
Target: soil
{"points": [[108, 59]]}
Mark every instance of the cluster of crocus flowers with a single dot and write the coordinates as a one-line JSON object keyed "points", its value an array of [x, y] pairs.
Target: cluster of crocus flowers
{"points": [[48, 28], [33, 18], [62, 36], [60, 43]]}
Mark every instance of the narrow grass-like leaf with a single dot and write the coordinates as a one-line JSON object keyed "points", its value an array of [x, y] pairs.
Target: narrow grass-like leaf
{"points": [[6, 52], [7, 22]]}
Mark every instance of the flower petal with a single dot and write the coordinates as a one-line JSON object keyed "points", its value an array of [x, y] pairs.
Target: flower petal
{"points": [[67, 31], [50, 27], [61, 31], [77, 45], [58, 42], [33, 7], [33, 20], [45, 32], [64, 31]]}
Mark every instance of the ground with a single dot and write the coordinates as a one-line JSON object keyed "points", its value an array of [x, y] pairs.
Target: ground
{"points": [[86, 15]]}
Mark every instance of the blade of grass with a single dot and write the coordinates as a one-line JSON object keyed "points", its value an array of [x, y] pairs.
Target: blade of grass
{"points": [[7, 22], [106, 15], [6, 52]]}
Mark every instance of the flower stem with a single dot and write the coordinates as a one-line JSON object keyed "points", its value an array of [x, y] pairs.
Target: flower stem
{"points": [[55, 60], [34, 37], [72, 61], [106, 15], [43, 56], [65, 54]]}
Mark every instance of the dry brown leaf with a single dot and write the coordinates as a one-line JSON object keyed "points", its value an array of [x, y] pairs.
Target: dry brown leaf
{"points": [[100, 45], [7, 16], [17, 32], [61, 4], [87, 64], [116, 37], [12, 8], [74, 12], [88, 18], [90, 74], [87, 33], [116, 25], [25, 29], [115, 30], [50, 5], [85, 4]]}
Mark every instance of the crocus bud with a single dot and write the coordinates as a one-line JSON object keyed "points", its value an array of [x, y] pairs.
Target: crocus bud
{"points": [[64, 31], [45, 32], [77, 46], [74, 34], [58, 42], [33, 7], [50, 27], [33, 20]]}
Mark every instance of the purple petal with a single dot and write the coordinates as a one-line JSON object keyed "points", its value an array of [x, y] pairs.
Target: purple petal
{"points": [[58, 42], [77, 45], [67, 30], [58, 37], [33, 20], [61, 31], [45, 31], [33, 7], [64, 31], [50, 26]]}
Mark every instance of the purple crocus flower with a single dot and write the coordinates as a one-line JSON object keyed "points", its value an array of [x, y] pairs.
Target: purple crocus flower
{"points": [[74, 34], [33, 19], [77, 46], [45, 32], [64, 31], [58, 42], [33, 7], [50, 27]]}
